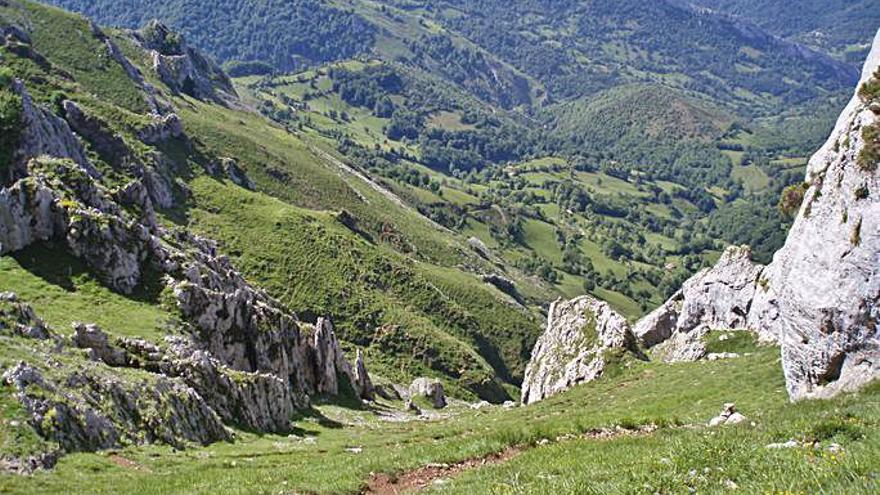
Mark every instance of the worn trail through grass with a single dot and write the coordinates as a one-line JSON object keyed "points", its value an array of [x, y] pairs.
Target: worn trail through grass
{"points": [[438, 473]]}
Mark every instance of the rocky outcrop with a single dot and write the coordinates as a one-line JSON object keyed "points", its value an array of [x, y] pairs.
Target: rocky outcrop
{"points": [[27, 215], [820, 297], [59, 201], [44, 133], [246, 360], [182, 68], [110, 146], [236, 174], [821, 293], [19, 318], [430, 389], [257, 401], [157, 106], [91, 337], [88, 409], [163, 128], [113, 149], [717, 297], [581, 337], [362, 381]]}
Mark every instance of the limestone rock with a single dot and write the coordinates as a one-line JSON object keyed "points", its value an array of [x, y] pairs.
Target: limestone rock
{"points": [[258, 401], [20, 318], [429, 388], [412, 407], [728, 416], [236, 174], [88, 336], [182, 68], [573, 349], [820, 297], [29, 464], [27, 214], [388, 391], [362, 378], [87, 410], [329, 362], [104, 141], [821, 293], [44, 133], [717, 297], [163, 128]]}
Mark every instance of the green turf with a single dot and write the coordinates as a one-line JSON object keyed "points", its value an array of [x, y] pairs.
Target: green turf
{"points": [[672, 460]]}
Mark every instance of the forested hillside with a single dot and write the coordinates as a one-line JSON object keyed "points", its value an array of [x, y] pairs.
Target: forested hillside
{"points": [[283, 34], [843, 29], [570, 49]]}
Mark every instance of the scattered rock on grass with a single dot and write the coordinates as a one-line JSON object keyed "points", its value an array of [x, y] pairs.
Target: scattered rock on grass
{"points": [[728, 416]]}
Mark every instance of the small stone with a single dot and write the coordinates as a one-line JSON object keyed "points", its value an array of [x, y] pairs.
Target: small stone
{"points": [[834, 448], [782, 445]]}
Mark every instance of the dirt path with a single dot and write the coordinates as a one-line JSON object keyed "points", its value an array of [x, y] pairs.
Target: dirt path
{"points": [[423, 477]]}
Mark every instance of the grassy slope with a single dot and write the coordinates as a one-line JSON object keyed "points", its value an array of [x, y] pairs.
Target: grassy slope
{"points": [[667, 395], [446, 330], [62, 291], [302, 265]]}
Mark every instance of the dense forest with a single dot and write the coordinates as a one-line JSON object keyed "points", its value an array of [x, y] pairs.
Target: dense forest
{"points": [[287, 35], [843, 30]]}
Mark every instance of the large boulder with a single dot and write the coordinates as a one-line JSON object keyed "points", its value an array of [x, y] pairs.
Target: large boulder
{"points": [[577, 346]]}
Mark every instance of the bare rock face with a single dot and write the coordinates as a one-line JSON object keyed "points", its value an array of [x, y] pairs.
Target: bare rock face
{"points": [[27, 215], [717, 297], [821, 294], [820, 297], [430, 389], [44, 133], [574, 347], [259, 401]]}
